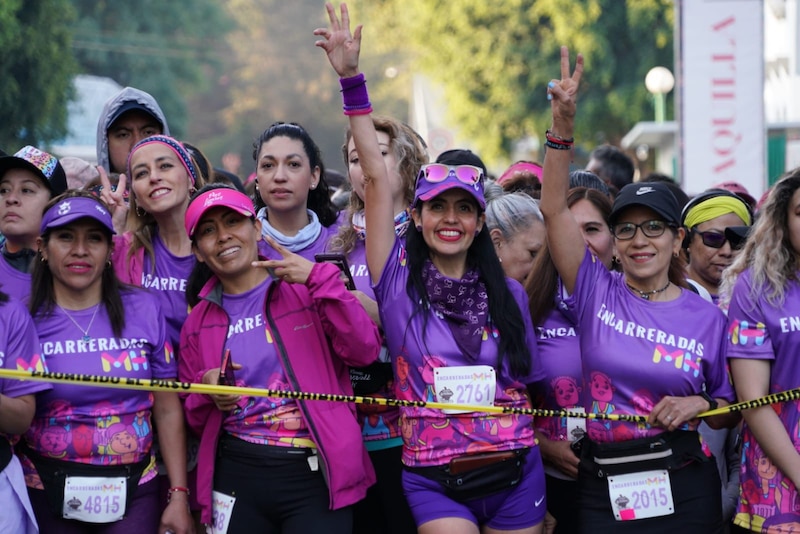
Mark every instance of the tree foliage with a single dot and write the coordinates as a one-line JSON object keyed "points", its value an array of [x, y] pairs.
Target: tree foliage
{"points": [[279, 75], [172, 50], [494, 59], [37, 67]]}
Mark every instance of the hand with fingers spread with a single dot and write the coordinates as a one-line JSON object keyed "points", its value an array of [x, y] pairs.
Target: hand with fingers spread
{"points": [[114, 197], [339, 44], [291, 268], [563, 94]]}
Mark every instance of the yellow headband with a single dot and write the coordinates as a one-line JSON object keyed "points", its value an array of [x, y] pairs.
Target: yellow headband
{"points": [[716, 207]]}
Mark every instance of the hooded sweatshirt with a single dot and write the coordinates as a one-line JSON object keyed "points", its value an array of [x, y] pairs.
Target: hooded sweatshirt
{"points": [[113, 104]]}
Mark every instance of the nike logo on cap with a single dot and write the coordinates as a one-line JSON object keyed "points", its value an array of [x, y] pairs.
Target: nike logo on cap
{"points": [[644, 190]]}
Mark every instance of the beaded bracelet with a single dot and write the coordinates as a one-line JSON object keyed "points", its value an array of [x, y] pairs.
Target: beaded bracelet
{"points": [[176, 489], [355, 98]]}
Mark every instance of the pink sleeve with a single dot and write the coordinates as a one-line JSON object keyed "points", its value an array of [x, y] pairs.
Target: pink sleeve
{"points": [[354, 337]]}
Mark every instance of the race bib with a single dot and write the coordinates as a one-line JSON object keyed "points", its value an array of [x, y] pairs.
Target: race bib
{"points": [[576, 426], [222, 508], [94, 499], [641, 495], [473, 385]]}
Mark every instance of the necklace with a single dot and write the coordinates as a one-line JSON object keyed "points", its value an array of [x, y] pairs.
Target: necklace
{"points": [[86, 337], [647, 294]]}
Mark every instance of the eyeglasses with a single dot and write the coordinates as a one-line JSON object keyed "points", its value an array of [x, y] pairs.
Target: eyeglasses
{"points": [[717, 239], [439, 172], [627, 230]]}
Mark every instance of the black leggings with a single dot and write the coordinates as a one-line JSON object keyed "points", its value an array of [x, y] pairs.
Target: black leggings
{"points": [[277, 495], [385, 509]]}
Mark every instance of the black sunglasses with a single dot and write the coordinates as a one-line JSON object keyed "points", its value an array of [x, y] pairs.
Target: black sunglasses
{"points": [[717, 239]]}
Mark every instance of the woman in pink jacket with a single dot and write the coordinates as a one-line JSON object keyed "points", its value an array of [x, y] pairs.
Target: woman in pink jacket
{"points": [[271, 464]]}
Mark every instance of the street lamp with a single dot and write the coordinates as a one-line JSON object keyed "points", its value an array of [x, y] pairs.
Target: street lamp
{"points": [[659, 81]]}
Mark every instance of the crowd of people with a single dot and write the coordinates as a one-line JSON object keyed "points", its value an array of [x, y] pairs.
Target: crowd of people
{"points": [[581, 293]]}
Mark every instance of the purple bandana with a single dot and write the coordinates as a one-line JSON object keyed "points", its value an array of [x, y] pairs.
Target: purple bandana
{"points": [[464, 303]]}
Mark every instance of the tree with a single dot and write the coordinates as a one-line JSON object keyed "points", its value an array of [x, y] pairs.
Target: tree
{"points": [[172, 50], [37, 66], [280, 75], [494, 59]]}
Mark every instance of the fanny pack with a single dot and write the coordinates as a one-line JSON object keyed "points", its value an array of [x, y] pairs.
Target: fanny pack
{"points": [[476, 476], [53, 474], [668, 450]]}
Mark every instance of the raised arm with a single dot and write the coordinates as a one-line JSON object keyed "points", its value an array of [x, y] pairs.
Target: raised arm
{"points": [[343, 49], [563, 233]]}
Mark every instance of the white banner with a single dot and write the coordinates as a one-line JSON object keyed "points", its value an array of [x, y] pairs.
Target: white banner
{"points": [[722, 134]]}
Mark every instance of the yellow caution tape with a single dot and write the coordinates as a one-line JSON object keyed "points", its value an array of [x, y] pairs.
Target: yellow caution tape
{"points": [[176, 386]]}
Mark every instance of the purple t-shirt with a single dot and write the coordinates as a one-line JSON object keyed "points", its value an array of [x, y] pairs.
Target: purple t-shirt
{"points": [[97, 425], [19, 349], [635, 351], [168, 282], [759, 331], [357, 260], [430, 436], [263, 420], [560, 354], [13, 282], [378, 423]]}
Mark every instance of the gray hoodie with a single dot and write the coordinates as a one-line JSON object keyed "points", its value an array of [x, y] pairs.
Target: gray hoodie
{"points": [[127, 94]]}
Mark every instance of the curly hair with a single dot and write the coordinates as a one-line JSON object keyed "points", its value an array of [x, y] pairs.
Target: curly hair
{"points": [[768, 252], [410, 152]]}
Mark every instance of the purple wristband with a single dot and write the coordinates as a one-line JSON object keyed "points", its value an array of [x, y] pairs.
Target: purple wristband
{"points": [[354, 92]]}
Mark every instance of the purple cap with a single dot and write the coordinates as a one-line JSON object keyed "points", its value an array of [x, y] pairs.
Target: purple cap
{"points": [[427, 190], [73, 208]]}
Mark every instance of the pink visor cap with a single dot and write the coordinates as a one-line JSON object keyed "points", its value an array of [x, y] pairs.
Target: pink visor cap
{"points": [[213, 198]]}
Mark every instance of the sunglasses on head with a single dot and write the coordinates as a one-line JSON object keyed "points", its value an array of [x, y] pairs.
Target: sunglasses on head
{"points": [[717, 239], [627, 230], [439, 172]]}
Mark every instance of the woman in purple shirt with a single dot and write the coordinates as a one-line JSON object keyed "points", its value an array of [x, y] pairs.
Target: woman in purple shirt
{"points": [[456, 333], [762, 292], [88, 455], [648, 347], [385, 508]]}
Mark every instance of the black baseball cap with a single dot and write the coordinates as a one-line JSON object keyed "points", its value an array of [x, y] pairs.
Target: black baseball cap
{"points": [[132, 105], [654, 195]]}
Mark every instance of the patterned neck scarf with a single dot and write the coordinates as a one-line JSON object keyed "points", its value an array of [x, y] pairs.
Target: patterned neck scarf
{"points": [[463, 303], [401, 222]]}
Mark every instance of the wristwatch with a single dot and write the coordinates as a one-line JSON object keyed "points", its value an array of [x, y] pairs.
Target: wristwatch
{"points": [[712, 402]]}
